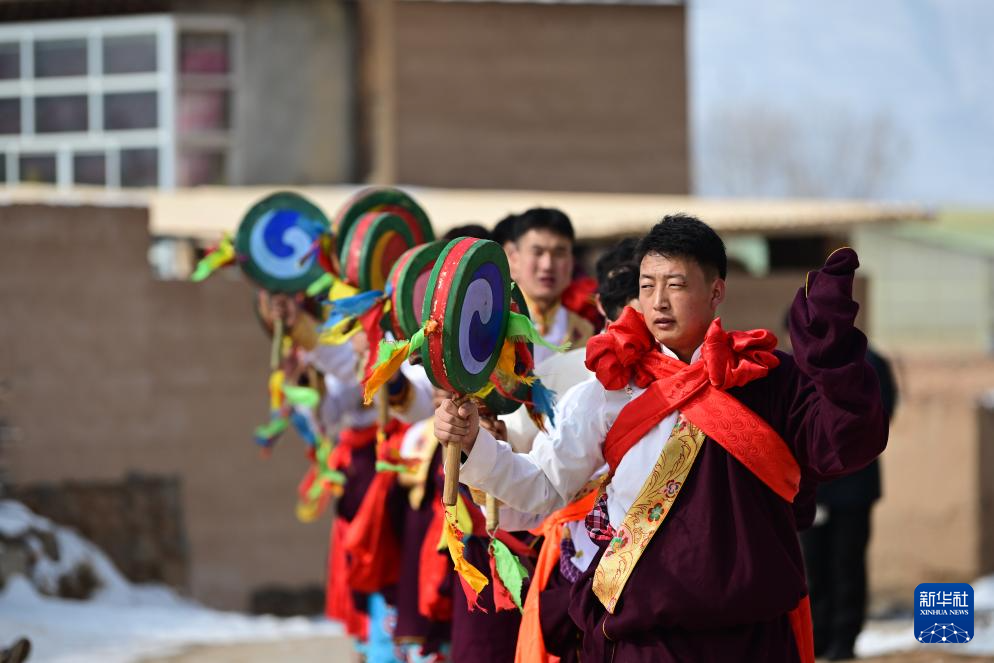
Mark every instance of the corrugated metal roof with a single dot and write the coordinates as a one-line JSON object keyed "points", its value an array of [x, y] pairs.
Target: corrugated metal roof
{"points": [[208, 211]]}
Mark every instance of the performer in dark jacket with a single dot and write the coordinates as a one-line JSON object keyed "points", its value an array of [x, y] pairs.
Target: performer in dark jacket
{"points": [[835, 547]]}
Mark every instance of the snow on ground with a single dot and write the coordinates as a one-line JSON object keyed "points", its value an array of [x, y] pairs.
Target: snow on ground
{"points": [[122, 622], [882, 637]]}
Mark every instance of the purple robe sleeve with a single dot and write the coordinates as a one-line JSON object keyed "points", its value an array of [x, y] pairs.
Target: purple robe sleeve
{"points": [[836, 422]]}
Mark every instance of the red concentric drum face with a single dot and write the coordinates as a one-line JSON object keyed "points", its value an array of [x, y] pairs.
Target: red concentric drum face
{"points": [[371, 249], [410, 277], [383, 200]]}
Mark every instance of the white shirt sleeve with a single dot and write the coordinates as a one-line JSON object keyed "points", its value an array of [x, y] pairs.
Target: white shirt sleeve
{"points": [[336, 360], [559, 464], [512, 520], [422, 404]]}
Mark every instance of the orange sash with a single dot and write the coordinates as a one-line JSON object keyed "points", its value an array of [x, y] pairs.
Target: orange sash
{"points": [[531, 645]]}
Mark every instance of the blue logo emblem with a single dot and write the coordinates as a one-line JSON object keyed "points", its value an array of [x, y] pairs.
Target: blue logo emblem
{"points": [[943, 612]]}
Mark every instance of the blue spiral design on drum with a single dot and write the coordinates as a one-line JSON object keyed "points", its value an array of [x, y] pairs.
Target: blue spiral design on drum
{"points": [[481, 317], [279, 240]]}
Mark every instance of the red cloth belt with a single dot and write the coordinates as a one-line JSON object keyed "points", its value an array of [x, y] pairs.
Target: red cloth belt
{"points": [[371, 542]]}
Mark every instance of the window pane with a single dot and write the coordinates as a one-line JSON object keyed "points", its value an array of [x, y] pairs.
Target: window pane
{"points": [[204, 53], [38, 168], [10, 61], [53, 114], [64, 57], [201, 167], [131, 110], [89, 169], [140, 167], [10, 116], [203, 110], [129, 54]]}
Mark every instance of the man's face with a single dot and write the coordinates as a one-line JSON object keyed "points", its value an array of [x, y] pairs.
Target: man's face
{"points": [[542, 264], [678, 301]]}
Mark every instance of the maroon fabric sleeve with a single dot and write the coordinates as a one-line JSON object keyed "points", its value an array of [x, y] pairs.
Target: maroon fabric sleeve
{"points": [[836, 421]]}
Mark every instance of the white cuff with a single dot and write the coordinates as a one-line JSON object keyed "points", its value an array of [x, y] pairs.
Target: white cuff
{"points": [[480, 462]]}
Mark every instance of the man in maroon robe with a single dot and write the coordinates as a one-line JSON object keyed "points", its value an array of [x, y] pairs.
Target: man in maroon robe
{"points": [[719, 576]]}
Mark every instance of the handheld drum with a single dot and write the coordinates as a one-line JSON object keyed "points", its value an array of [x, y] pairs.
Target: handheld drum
{"points": [[275, 239], [379, 200], [274, 244], [408, 281], [467, 310]]}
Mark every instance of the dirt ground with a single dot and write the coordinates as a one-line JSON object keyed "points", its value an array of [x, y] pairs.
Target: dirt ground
{"points": [[335, 650], [928, 657], [315, 650]]}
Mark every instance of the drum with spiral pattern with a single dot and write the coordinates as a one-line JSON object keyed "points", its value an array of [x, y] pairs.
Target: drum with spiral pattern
{"points": [[466, 313], [275, 242]]}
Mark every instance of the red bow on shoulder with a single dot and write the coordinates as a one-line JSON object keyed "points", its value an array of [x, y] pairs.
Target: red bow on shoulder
{"points": [[627, 353]]}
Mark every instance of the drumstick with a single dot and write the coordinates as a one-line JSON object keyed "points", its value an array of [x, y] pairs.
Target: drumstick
{"points": [[277, 347], [453, 459], [493, 514]]}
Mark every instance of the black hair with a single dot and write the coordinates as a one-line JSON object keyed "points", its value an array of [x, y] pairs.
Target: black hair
{"points": [[503, 232], [617, 277], [622, 253], [543, 218], [685, 236], [469, 230]]}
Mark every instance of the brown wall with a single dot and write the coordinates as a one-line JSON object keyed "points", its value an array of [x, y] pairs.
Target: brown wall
{"points": [[938, 469], [541, 96], [111, 372]]}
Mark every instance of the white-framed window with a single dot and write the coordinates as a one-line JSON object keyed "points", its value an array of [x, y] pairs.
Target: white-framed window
{"points": [[118, 102]]}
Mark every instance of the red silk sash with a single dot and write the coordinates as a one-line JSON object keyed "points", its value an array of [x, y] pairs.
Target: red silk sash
{"points": [[627, 352]]}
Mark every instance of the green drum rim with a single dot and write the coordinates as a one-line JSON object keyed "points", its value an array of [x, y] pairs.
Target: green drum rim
{"points": [[383, 199], [362, 249], [463, 259], [280, 273], [406, 311]]}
